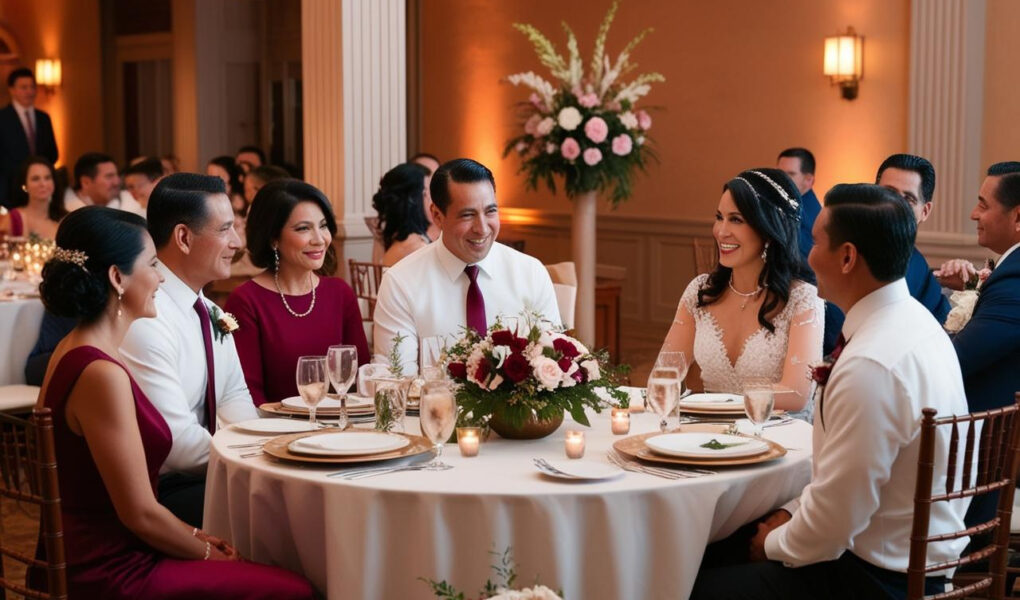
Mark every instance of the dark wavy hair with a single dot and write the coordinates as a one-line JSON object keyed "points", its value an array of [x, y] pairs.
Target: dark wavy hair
{"points": [[234, 187], [776, 221], [269, 213], [108, 237], [400, 203], [56, 210]]}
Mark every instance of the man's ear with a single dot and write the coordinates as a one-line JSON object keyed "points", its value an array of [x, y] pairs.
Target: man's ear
{"points": [[925, 211], [848, 257], [809, 179], [182, 238], [437, 215]]}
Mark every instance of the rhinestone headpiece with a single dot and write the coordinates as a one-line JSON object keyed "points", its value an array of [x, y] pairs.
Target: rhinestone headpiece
{"points": [[779, 189], [77, 257]]}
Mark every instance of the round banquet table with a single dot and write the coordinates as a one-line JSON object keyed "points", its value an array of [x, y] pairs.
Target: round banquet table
{"points": [[20, 319], [636, 536]]}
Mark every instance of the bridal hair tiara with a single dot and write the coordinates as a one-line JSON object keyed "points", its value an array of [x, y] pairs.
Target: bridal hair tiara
{"points": [[77, 257], [779, 189]]}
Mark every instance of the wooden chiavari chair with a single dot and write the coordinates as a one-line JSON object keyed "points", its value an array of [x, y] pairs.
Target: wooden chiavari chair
{"points": [[365, 279]]}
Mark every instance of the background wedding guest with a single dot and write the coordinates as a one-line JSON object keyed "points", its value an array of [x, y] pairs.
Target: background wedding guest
{"points": [[226, 169], [24, 131], [799, 166], [293, 308], [249, 157], [430, 162], [52, 330], [913, 178], [110, 440], [848, 534], [98, 183], [184, 359], [757, 315], [141, 178], [400, 203], [465, 278], [171, 164], [258, 177], [36, 213]]}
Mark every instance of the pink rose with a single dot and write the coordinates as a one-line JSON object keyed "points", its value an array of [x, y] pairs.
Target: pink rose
{"points": [[589, 100], [570, 149], [545, 126], [531, 125], [622, 145], [592, 156], [644, 120], [547, 372], [596, 129]]}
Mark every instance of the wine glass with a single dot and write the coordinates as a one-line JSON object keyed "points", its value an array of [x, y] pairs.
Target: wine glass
{"points": [[663, 392], [438, 416], [678, 361], [342, 368], [311, 382], [431, 367], [759, 400]]}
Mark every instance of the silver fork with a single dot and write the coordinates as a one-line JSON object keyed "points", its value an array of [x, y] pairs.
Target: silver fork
{"points": [[544, 465], [635, 467], [256, 443], [424, 467]]}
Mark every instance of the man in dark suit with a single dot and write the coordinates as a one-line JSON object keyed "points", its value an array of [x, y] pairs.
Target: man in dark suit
{"points": [[913, 178], [24, 131], [988, 346]]}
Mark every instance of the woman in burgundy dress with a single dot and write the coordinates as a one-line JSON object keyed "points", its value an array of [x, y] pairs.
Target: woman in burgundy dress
{"points": [[291, 309], [110, 440], [38, 214]]}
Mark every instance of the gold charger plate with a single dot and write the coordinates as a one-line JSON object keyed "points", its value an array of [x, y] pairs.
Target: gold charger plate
{"points": [[724, 414], [635, 447], [277, 408], [277, 448]]}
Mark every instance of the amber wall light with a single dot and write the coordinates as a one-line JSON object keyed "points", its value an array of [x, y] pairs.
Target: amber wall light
{"points": [[48, 73], [844, 61]]}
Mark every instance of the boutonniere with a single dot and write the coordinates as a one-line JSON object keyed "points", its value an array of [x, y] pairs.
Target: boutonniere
{"points": [[224, 323], [820, 373], [962, 310]]}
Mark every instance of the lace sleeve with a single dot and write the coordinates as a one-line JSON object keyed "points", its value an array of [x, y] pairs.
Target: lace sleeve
{"points": [[689, 299], [804, 306], [804, 346], [681, 333]]}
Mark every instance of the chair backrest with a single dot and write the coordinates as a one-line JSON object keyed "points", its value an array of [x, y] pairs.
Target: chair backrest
{"points": [[564, 278], [365, 278], [706, 255], [994, 458], [28, 473]]}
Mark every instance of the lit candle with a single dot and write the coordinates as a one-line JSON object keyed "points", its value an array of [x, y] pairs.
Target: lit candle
{"points": [[575, 444], [621, 421], [468, 439]]}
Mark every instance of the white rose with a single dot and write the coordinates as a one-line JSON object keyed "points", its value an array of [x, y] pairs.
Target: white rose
{"points": [[543, 593], [545, 126], [591, 367], [569, 118], [500, 353], [963, 308], [547, 372], [629, 120]]}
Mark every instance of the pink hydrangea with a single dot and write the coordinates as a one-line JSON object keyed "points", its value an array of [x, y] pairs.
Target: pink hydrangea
{"points": [[531, 125], [592, 156], [596, 129], [644, 120], [589, 100], [570, 149], [622, 145]]}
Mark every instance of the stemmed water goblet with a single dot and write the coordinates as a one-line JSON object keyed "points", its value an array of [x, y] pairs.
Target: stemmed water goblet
{"points": [[759, 400], [438, 416], [663, 392], [342, 369], [311, 382], [673, 360]]}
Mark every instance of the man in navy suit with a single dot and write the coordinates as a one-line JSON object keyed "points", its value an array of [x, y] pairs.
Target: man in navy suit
{"points": [[913, 178], [988, 346], [24, 131]]}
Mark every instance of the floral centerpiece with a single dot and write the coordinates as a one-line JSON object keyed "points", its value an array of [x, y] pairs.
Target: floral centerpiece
{"points": [[513, 375], [586, 127], [507, 571]]}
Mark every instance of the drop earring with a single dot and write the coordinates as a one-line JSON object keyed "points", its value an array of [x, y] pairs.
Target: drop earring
{"points": [[765, 253], [24, 188], [276, 259], [120, 296]]}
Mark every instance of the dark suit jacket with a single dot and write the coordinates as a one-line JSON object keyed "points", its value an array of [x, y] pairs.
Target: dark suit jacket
{"points": [[14, 146], [925, 288], [989, 345]]}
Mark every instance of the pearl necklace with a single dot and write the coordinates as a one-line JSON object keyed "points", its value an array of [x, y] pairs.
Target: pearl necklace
{"points": [[746, 296], [311, 280]]}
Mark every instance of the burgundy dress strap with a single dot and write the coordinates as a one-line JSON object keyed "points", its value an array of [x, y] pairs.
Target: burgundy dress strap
{"points": [[67, 371]]}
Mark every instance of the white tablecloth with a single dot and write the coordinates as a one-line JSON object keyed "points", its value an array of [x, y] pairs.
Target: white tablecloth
{"points": [[19, 330], [638, 536]]}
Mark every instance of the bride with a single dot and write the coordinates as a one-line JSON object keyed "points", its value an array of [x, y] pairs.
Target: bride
{"points": [[757, 315]]}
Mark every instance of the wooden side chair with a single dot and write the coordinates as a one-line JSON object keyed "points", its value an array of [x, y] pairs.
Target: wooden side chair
{"points": [[28, 473], [995, 455], [706, 255], [365, 278]]}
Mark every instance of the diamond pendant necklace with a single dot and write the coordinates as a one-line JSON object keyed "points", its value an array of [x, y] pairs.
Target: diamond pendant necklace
{"points": [[311, 280], [746, 296]]}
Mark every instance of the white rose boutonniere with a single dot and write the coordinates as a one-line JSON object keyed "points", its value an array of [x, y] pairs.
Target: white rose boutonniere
{"points": [[962, 309], [224, 323]]}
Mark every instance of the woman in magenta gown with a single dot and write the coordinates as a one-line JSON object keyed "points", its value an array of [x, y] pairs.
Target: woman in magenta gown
{"points": [[110, 440], [291, 309]]}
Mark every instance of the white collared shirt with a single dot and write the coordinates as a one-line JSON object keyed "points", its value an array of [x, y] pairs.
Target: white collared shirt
{"points": [[425, 294], [866, 440], [166, 356], [124, 201]]}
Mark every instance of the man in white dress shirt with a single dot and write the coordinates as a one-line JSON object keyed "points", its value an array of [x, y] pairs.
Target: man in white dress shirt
{"points": [[462, 279], [97, 182], [848, 534], [174, 355]]}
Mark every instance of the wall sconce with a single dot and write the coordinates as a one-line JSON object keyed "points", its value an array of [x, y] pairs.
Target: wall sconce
{"points": [[48, 74], [844, 61]]}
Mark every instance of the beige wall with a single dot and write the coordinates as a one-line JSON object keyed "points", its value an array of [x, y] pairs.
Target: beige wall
{"points": [[1001, 135], [68, 31], [743, 81]]}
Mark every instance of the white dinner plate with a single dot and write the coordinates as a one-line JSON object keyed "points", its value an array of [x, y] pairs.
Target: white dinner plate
{"points": [[690, 445], [278, 426], [581, 470], [354, 402], [720, 402], [348, 443]]}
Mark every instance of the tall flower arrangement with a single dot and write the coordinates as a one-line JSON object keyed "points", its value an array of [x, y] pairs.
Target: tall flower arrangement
{"points": [[586, 127]]}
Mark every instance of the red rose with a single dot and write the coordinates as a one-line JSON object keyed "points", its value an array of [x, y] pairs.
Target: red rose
{"points": [[516, 368], [564, 364], [518, 344], [482, 370], [565, 347], [820, 374], [580, 375], [502, 337], [457, 370]]}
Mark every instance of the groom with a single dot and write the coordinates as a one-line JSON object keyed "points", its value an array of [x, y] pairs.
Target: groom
{"points": [[183, 361], [848, 534]]}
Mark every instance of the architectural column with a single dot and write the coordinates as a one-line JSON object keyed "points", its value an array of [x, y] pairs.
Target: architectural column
{"points": [[355, 105], [947, 50]]}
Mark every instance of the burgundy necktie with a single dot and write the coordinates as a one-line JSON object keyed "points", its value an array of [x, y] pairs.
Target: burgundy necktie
{"points": [[475, 302], [210, 385], [30, 133], [833, 356]]}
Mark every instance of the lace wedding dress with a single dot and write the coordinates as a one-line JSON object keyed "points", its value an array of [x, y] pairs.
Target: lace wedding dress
{"points": [[764, 354]]}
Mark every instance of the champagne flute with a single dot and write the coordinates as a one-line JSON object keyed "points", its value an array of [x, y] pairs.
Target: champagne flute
{"points": [[663, 392], [759, 400], [342, 368], [438, 416], [311, 382], [678, 361]]}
